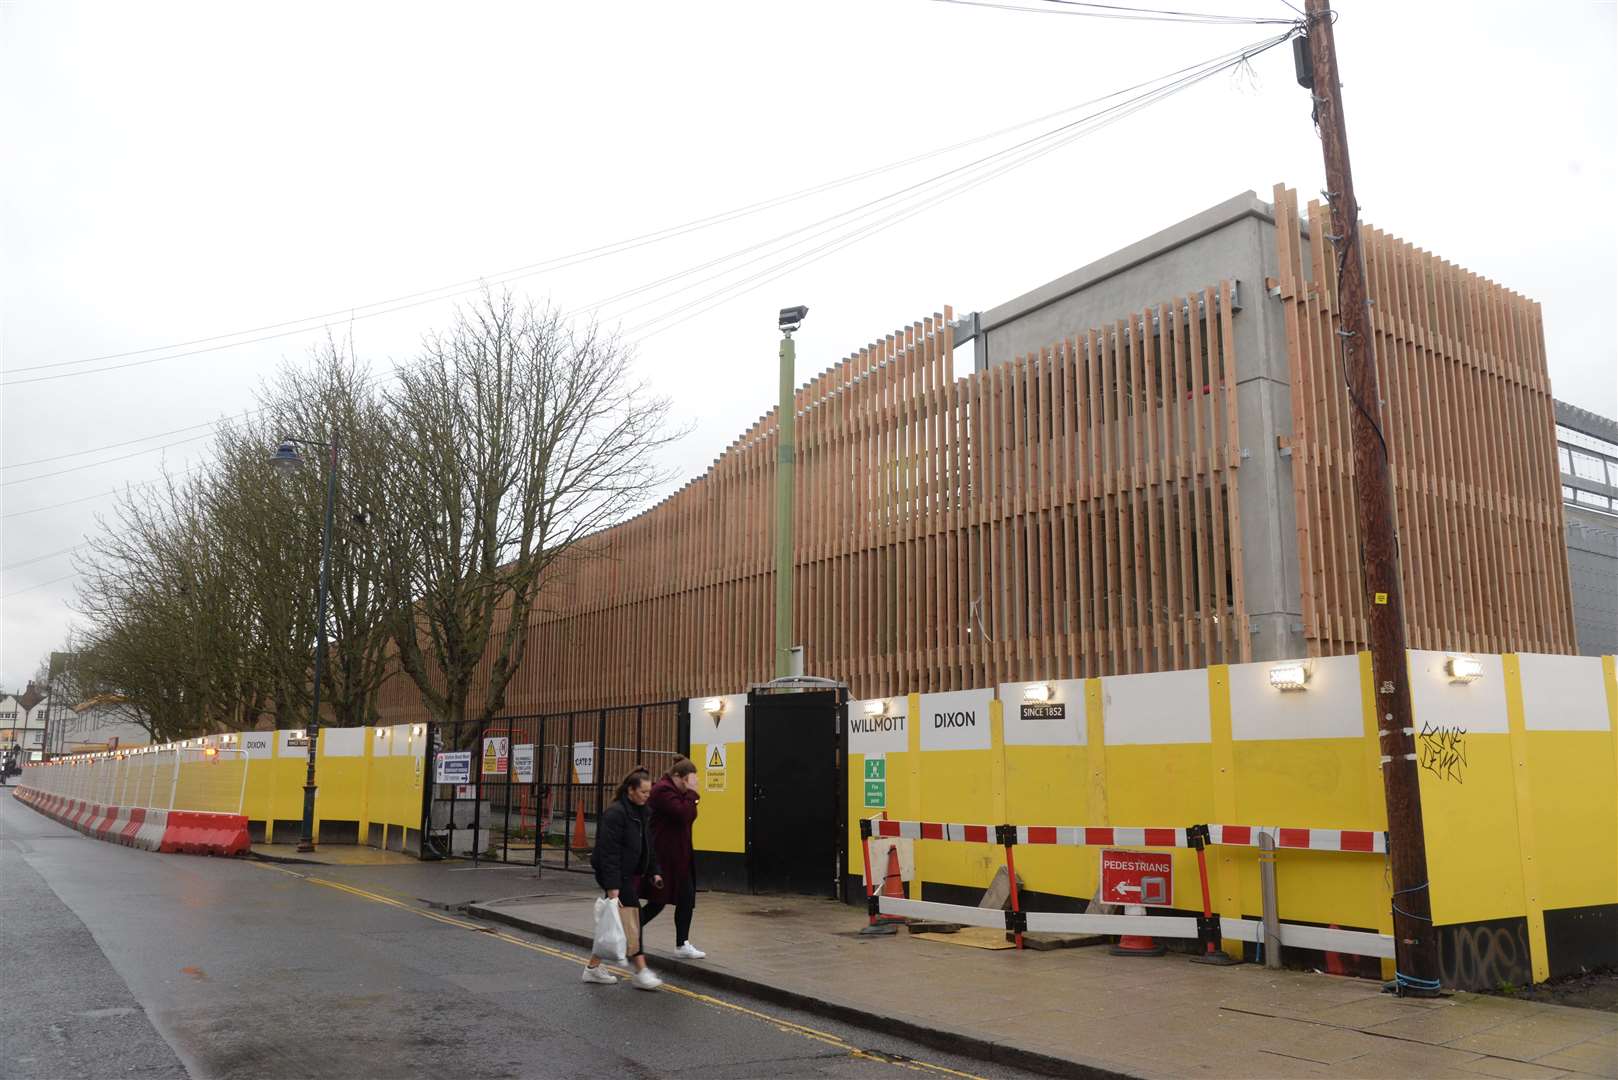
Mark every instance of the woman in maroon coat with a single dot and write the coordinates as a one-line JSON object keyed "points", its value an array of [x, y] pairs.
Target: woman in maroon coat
{"points": [[674, 810]]}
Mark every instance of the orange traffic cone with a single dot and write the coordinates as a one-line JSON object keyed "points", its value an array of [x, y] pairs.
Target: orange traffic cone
{"points": [[580, 841], [892, 885], [893, 881], [1136, 944]]}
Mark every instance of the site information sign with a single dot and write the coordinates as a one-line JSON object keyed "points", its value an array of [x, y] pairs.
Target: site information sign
{"points": [[1137, 877], [876, 781], [584, 762], [454, 768], [522, 762]]}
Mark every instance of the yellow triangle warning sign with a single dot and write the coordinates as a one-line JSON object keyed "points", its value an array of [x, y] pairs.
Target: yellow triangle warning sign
{"points": [[716, 758]]}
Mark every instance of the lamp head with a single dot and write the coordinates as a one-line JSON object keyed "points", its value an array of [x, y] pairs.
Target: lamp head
{"points": [[286, 457]]}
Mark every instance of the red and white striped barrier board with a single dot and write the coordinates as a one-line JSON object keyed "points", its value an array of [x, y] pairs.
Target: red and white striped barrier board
{"points": [[933, 830], [1061, 835], [1354, 840], [1099, 836], [1300, 839]]}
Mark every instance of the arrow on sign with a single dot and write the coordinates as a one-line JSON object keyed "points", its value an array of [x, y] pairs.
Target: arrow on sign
{"points": [[1124, 890]]}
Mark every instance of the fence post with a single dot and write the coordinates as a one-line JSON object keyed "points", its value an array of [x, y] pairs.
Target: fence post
{"points": [[477, 792], [574, 798], [1271, 912], [174, 782], [1007, 835], [599, 772]]}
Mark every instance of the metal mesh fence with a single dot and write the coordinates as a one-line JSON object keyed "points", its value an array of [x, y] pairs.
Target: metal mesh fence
{"points": [[203, 778], [537, 784]]}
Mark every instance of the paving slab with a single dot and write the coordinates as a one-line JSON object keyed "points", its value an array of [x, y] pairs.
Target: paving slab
{"points": [[1082, 1012]]}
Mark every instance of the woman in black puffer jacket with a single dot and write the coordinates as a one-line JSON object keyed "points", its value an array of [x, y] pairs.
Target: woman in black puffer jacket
{"points": [[625, 864]]}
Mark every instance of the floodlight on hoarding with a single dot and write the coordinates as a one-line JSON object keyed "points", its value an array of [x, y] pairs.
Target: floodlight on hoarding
{"points": [[1293, 675]]}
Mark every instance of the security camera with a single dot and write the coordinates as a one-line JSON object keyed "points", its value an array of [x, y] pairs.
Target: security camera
{"points": [[792, 317]]}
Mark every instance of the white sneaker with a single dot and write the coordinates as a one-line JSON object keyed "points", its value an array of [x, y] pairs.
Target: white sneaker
{"points": [[689, 951], [599, 974], [645, 980]]}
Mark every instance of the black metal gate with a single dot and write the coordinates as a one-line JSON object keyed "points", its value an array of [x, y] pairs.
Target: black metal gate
{"points": [[535, 785], [797, 799]]}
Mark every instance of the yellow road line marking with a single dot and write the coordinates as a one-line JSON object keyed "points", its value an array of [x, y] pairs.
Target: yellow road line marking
{"points": [[277, 869], [788, 1026]]}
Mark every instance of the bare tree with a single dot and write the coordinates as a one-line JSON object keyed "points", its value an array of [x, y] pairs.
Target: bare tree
{"points": [[166, 631], [510, 438], [270, 525]]}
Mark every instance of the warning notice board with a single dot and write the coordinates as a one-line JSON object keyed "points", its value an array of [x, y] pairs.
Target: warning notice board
{"points": [[496, 755], [1137, 877], [714, 768]]}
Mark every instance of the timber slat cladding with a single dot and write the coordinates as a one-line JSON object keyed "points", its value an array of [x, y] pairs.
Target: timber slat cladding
{"points": [[1075, 512], [1072, 513], [1468, 419]]}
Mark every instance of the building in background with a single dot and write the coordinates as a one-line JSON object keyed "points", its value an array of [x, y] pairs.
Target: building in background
{"points": [[105, 722], [1587, 451], [26, 719], [1148, 467]]}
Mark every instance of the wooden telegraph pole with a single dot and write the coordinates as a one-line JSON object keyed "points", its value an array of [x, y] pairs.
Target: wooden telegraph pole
{"points": [[1415, 946]]}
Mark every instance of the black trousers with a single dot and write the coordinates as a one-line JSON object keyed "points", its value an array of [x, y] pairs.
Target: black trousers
{"points": [[684, 905]]}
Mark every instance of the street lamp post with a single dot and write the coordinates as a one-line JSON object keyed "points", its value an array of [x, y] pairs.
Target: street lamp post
{"points": [[288, 460], [785, 492]]}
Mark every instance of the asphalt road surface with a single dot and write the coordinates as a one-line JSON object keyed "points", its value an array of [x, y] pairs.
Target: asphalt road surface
{"points": [[122, 963]]}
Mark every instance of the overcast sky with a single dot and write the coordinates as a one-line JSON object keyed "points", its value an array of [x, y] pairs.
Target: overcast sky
{"points": [[171, 172]]}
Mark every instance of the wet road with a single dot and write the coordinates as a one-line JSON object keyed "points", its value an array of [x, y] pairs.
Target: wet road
{"points": [[122, 963]]}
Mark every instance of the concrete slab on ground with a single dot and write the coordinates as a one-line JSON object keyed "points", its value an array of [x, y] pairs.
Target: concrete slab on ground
{"points": [[1083, 1012]]}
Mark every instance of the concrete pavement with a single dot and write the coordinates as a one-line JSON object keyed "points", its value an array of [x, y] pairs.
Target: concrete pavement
{"points": [[1082, 1011], [127, 963]]}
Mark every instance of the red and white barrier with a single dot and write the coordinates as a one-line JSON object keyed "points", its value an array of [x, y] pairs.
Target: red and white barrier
{"points": [[1363, 840], [1102, 836], [1210, 929], [1360, 840], [151, 830]]}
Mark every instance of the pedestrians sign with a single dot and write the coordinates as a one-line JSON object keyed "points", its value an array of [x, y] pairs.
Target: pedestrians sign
{"points": [[1137, 877], [876, 781], [496, 755], [522, 762], [454, 768]]}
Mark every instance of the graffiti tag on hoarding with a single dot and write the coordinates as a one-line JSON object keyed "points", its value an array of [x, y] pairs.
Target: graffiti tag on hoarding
{"points": [[1441, 750]]}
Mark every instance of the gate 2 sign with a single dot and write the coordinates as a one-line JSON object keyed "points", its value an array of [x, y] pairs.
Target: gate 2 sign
{"points": [[1137, 877]]}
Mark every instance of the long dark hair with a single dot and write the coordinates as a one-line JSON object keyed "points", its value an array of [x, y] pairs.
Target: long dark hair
{"points": [[636, 776]]}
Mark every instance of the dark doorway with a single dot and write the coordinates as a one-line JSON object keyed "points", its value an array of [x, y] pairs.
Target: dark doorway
{"points": [[796, 793]]}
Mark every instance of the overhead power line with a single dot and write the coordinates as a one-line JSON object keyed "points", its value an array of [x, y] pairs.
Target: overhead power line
{"points": [[107, 461], [38, 585], [1035, 148], [1120, 11], [291, 327], [42, 558], [894, 208], [97, 495]]}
